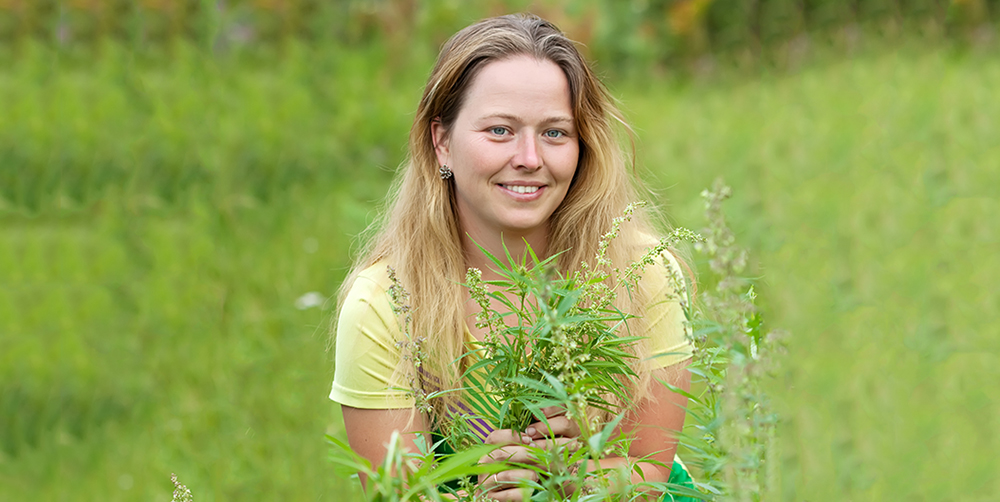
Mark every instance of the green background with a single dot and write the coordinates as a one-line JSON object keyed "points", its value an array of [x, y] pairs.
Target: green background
{"points": [[164, 203]]}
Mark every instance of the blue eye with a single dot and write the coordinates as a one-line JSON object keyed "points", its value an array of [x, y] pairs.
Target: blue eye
{"points": [[552, 133], [499, 131]]}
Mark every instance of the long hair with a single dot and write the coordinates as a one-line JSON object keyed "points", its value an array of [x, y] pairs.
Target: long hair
{"points": [[418, 234]]}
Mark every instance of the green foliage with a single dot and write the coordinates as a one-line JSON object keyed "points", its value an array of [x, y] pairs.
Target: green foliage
{"points": [[551, 332], [139, 341], [141, 335], [620, 33], [405, 476], [558, 341], [221, 128], [563, 346], [863, 186], [553, 341], [731, 437]]}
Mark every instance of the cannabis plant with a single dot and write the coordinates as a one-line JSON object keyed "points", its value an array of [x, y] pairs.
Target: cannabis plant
{"points": [[560, 341]]}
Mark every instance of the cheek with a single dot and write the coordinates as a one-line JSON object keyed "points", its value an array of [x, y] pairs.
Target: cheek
{"points": [[568, 165], [475, 156]]}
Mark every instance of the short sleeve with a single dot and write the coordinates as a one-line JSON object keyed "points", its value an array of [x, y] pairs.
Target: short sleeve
{"points": [[666, 325], [366, 350]]}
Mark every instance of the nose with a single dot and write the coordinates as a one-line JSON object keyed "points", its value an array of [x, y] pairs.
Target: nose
{"points": [[528, 155]]}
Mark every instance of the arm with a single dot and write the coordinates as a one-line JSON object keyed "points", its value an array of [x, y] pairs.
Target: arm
{"points": [[654, 422], [653, 425], [369, 430], [366, 358]]}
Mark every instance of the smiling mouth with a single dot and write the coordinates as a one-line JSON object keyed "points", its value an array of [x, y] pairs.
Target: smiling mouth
{"points": [[521, 188]]}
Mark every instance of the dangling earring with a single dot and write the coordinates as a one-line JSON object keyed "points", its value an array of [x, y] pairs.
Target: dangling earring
{"points": [[444, 172]]}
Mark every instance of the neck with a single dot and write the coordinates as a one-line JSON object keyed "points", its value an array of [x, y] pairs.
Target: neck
{"points": [[516, 244]]}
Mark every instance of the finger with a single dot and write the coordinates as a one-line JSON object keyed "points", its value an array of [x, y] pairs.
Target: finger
{"points": [[507, 480], [572, 444], [558, 426], [507, 437], [529, 455], [487, 482], [510, 495], [515, 454], [552, 411]]}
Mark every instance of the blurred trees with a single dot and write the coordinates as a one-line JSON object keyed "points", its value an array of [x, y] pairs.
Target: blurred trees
{"points": [[660, 31]]}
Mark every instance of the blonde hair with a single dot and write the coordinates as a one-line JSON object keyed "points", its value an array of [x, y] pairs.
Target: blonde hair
{"points": [[419, 232]]}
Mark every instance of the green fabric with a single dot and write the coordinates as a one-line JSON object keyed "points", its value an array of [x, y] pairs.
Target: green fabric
{"points": [[443, 449], [679, 475]]}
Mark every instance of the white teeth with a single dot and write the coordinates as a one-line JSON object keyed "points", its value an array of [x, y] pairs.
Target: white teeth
{"points": [[521, 189]]}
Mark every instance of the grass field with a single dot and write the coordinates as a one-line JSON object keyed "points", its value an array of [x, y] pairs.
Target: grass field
{"points": [[148, 319]]}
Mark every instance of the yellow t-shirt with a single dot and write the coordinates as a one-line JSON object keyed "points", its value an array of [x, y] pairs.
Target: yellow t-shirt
{"points": [[367, 332]]}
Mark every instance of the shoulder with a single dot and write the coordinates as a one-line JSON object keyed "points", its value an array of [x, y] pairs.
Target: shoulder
{"points": [[366, 350], [664, 290], [367, 301], [665, 272], [372, 280], [370, 286]]}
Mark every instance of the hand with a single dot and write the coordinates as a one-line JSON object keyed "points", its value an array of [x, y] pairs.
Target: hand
{"points": [[558, 426], [521, 449], [504, 485]]}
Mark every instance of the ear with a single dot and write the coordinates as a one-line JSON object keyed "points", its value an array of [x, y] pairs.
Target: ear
{"points": [[439, 135]]}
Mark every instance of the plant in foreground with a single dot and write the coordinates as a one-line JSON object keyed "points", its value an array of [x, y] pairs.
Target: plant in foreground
{"points": [[730, 436], [405, 475], [559, 342]]}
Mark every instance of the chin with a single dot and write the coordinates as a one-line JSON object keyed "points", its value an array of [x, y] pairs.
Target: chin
{"points": [[522, 227], [522, 222]]}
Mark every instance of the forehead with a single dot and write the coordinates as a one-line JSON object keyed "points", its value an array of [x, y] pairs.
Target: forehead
{"points": [[520, 85]]}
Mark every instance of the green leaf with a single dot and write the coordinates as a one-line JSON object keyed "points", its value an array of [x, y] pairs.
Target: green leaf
{"points": [[684, 491], [598, 441], [345, 457], [463, 463], [707, 487], [696, 371], [680, 391]]}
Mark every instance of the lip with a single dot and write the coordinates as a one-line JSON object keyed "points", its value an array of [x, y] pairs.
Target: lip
{"points": [[522, 183], [523, 197]]}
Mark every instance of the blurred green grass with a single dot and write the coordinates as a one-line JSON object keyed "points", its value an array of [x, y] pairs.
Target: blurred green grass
{"points": [[171, 127], [866, 190], [159, 223]]}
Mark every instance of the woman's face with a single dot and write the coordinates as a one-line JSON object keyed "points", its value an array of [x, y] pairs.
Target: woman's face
{"points": [[513, 148]]}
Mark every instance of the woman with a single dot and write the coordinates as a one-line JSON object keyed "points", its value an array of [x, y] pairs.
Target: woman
{"points": [[513, 142]]}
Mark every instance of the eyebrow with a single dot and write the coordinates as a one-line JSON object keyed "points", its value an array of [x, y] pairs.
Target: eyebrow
{"points": [[515, 118]]}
